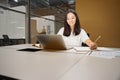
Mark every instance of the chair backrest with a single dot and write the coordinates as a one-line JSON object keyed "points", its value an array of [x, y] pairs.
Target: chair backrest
{"points": [[6, 38]]}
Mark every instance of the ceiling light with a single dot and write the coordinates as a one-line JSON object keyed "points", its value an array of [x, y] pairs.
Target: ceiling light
{"points": [[16, 0]]}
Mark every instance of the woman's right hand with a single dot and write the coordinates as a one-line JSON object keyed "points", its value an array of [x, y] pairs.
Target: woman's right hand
{"points": [[93, 46]]}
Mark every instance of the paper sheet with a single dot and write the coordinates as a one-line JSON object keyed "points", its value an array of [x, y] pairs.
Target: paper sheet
{"points": [[105, 54], [81, 49], [106, 49]]}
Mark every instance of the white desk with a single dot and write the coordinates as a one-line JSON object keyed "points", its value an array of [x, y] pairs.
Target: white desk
{"points": [[60, 65]]}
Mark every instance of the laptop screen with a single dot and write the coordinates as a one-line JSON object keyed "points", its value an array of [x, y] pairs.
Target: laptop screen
{"points": [[51, 41]]}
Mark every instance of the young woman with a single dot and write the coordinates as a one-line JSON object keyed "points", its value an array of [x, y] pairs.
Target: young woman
{"points": [[72, 32]]}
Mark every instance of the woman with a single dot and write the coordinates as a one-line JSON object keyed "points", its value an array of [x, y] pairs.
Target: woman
{"points": [[72, 32]]}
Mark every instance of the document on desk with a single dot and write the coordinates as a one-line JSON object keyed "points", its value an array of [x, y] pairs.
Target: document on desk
{"points": [[81, 49], [101, 52], [106, 54], [106, 49]]}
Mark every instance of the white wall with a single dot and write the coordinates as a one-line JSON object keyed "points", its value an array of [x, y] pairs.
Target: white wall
{"points": [[12, 23], [49, 25]]}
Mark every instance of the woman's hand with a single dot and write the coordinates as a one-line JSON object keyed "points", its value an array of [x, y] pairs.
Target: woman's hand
{"points": [[93, 46]]}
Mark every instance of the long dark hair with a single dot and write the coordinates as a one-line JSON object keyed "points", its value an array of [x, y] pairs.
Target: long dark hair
{"points": [[77, 28]]}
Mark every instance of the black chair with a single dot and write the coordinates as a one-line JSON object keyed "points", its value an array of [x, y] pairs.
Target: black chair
{"points": [[6, 40]]}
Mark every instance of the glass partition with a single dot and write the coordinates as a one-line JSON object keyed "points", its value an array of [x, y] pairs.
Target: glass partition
{"points": [[22, 20], [12, 23]]}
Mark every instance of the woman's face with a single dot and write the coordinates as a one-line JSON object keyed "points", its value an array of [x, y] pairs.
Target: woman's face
{"points": [[71, 20]]}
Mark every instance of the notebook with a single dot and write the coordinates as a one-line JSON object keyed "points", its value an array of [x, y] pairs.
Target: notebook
{"points": [[55, 42]]}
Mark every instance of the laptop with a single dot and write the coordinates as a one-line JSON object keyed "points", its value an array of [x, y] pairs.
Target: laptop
{"points": [[49, 41]]}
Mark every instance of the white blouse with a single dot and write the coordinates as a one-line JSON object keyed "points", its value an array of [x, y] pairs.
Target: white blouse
{"points": [[73, 40]]}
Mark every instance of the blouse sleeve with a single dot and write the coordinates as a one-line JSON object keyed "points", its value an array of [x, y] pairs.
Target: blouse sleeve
{"points": [[83, 35], [60, 32]]}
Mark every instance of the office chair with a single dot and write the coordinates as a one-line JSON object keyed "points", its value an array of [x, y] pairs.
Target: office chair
{"points": [[6, 40]]}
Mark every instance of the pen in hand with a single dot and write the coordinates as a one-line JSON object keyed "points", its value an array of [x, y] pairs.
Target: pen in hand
{"points": [[95, 42], [97, 38]]}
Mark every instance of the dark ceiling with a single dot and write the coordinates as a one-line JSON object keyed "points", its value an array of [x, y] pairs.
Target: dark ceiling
{"points": [[41, 3], [44, 7]]}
